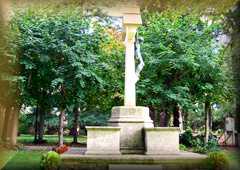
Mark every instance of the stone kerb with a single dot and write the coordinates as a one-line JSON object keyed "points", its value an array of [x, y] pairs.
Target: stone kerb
{"points": [[161, 140], [103, 140]]}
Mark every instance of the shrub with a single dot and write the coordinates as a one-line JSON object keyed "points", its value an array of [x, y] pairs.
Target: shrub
{"points": [[197, 142], [186, 138], [212, 145], [25, 123], [217, 161], [182, 147], [50, 161], [200, 147]]}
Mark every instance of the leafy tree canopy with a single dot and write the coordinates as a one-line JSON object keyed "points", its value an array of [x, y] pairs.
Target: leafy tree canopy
{"points": [[184, 61], [64, 57]]}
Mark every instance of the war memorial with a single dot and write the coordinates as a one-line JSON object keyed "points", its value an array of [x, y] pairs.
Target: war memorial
{"points": [[130, 140]]}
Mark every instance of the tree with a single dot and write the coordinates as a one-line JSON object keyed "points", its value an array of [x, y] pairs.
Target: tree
{"points": [[9, 103], [183, 64], [36, 71], [233, 21], [63, 57]]}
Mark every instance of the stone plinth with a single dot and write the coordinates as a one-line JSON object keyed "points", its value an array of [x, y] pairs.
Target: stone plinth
{"points": [[132, 120], [161, 140], [103, 140], [181, 161]]}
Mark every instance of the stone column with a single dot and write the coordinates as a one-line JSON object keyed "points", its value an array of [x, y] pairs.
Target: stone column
{"points": [[131, 23], [131, 118]]}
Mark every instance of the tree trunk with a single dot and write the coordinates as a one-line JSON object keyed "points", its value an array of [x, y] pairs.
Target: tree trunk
{"points": [[7, 121], [9, 135], [14, 127], [207, 120], [41, 125], [2, 118], [10, 125], [76, 113], [36, 125], [61, 124], [180, 121], [153, 115], [210, 120], [176, 115], [163, 119], [185, 120]]}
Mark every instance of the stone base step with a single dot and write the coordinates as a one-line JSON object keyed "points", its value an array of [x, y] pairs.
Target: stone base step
{"points": [[182, 160]]}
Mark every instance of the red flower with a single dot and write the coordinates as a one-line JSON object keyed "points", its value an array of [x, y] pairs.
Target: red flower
{"points": [[61, 149]]}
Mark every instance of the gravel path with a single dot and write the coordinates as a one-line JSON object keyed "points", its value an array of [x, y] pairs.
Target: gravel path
{"points": [[72, 150]]}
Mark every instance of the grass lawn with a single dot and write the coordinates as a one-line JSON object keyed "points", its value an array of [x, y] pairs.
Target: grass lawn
{"points": [[30, 160], [25, 160], [51, 139], [5, 155], [234, 157]]}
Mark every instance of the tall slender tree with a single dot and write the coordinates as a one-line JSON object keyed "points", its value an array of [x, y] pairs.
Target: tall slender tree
{"points": [[233, 21]]}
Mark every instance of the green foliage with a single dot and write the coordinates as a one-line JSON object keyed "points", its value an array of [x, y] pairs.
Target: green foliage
{"points": [[69, 60], [232, 27], [183, 147], [200, 147], [217, 161], [212, 145], [55, 53], [25, 122], [186, 138], [97, 119], [197, 142], [184, 64], [51, 123], [64, 57], [191, 6], [50, 161]]}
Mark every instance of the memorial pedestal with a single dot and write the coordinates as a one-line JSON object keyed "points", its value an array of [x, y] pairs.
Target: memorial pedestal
{"points": [[132, 121], [162, 140], [103, 140]]}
